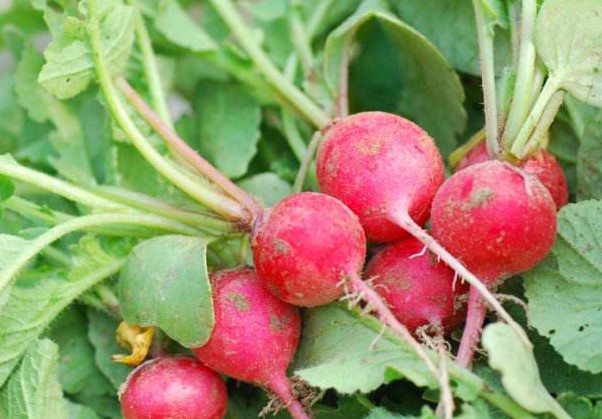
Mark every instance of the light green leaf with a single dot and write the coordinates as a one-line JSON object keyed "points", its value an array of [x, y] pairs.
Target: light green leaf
{"points": [[450, 25], [268, 188], [229, 121], [567, 313], [33, 391], [424, 77], [69, 67], [10, 248], [77, 370], [520, 375], [341, 349], [101, 333], [589, 161], [177, 26], [382, 413], [78, 411], [165, 283], [29, 310], [577, 249], [568, 38]]}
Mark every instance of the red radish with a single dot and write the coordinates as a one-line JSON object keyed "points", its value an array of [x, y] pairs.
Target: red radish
{"points": [[255, 335], [497, 220], [542, 164], [419, 289], [305, 245], [380, 165], [173, 387]]}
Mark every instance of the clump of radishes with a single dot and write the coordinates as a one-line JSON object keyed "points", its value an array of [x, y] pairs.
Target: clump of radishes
{"points": [[384, 168], [542, 164], [498, 220], [255, 335], [173, 387], [305, 246], [420, 290]]}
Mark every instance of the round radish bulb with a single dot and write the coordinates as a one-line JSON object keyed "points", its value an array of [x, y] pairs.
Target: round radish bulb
{"points": [[497, 219], [542, 164], [255, 335], [305, 245], [419, 289], [173, 387], [380, 165]]}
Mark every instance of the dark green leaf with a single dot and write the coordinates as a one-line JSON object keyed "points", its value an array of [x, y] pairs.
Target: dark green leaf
{"points": [[589, 161], [78, 411], [165, 283], [177, 26], [267, 187]]}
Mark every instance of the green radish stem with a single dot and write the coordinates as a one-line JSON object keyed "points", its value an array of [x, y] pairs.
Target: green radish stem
{"points": [[185, 151], [309, 155], [405, 221], [485, 37]]}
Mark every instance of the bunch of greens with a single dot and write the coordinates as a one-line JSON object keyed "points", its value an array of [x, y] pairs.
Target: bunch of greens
{"points": [[103, 206]]}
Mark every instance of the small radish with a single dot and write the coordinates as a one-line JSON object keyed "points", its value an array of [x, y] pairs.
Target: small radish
{"points": [[542, 164], [498, 221], [171, 387], [305, 246], [419, 290], [255, 335], [380, 165]]}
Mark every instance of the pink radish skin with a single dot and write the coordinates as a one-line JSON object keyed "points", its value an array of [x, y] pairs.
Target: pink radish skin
{"points": [[173, 387], [255, 335], [419, 289], [380, 165], [543, 165], [499, 221], [305, 245]]}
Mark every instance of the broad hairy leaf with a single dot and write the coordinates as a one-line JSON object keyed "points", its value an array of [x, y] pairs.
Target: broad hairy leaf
{"points": [[568, 38], [33, 391], [77, 370], [165, 283], [69, 67], [177, 26], [422, 75], [268, 187], [341, 349], [564, 306], [589, 161], [228, 124], [78, 411], [519, 371], [29, 310]]}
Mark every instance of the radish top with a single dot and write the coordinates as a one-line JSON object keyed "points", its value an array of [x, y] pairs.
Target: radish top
{"points": [[377, 164]]}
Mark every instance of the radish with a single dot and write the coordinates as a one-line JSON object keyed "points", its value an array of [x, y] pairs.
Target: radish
{"points": [[499, 221], [419, 289], [387, 170], [542, 164], [380, 165], [305, 245], [173, 387], [255, 335]]}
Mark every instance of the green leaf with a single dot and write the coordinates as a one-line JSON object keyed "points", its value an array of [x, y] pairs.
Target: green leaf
{"points": [[29, 310], [382, 413], [568, 38], [165, 283], [520, 375], [589, 161], [101, 332], [77, 370], [69, 67], [33, 391], [577, 249], [450, 25], [341, 349], [421, 76], [177, 26], [567, 312], [10, 248], [78, 411], [268, 188], [228, 119]]}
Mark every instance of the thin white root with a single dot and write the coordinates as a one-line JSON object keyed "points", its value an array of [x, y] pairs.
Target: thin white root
{"points": [[406, 222]]}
